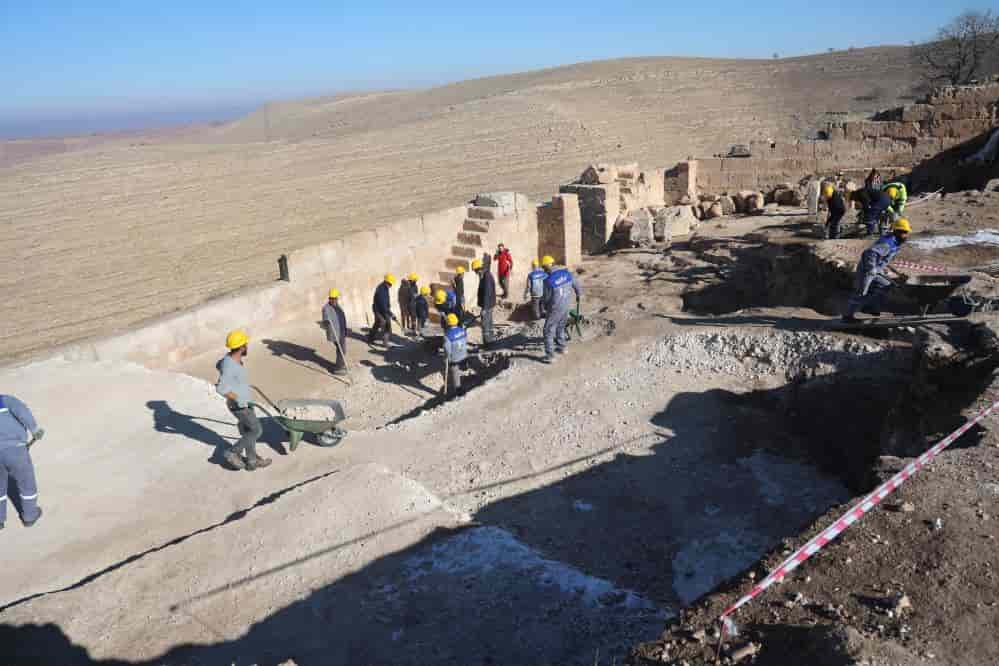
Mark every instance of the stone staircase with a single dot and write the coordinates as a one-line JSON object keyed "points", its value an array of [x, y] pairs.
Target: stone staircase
{"points": [[469, 244]]}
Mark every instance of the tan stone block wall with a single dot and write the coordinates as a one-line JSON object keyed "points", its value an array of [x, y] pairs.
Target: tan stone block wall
{"points": [[560, 231]]}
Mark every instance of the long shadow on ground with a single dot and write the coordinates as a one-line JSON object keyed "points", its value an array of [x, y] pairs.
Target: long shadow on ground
{"points": [[589, 564]]}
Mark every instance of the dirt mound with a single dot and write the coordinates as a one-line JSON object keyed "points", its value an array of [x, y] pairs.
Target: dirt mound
{"points": [[790, 354]]}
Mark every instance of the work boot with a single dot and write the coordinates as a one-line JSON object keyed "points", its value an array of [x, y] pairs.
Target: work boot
{"points": [[29, 523], [257, 462], [234, 459], [549, 359], [560, 350], [849, 319]]}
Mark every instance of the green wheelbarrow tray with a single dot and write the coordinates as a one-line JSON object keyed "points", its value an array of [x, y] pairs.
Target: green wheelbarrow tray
{"points": [[328, 433]]}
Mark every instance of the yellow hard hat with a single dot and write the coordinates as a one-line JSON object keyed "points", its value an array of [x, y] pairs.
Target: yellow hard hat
{"points": [[452, 319], [828, 190], [535, 263], [424, 291], [459, 270], [236, 339], [413, 277], [334, 293], [476, 264], [440, 297], [902, 224], [547, 261], [892, 192], [390, 278]]}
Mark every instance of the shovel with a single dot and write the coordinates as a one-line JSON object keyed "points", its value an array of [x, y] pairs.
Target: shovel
{"points": [[447, 365], [343, 355]]}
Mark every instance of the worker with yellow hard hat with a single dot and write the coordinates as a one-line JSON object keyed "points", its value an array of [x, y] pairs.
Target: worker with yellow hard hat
{"points": [[458, 286], [381, 306], [446, 302], [836, 205], [234, 386], [872, 283], [534, 292], [421, 309], [408, 289], [898, 194], [455, 353], [560, 285], [335, 322], [486, 300]]}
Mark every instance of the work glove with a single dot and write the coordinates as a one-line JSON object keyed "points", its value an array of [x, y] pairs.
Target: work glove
{"points": [[39, 434]]}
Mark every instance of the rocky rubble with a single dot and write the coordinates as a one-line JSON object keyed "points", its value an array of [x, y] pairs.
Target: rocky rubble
{"points": [[311, 413], [793, 354]]}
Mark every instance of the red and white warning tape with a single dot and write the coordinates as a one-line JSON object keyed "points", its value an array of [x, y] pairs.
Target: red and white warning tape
{"points": [[912, 265], [854, 514], [926, 268]]}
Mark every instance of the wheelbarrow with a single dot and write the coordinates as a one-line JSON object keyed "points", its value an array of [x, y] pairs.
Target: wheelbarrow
{"points": [[327, 432], [930, 290]]}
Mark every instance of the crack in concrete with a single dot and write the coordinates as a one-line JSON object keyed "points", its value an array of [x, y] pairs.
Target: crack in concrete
{"points": [[231, 518]]}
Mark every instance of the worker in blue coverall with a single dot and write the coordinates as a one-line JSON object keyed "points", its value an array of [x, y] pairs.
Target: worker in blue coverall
{"points": [[872, 283]]}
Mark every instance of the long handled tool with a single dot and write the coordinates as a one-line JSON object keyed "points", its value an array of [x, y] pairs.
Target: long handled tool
{"points": [[271, 402], [343, 355], [447, 366]]}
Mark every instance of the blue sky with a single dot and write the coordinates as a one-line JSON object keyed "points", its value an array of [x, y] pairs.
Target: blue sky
{"points": [[102, 62]]}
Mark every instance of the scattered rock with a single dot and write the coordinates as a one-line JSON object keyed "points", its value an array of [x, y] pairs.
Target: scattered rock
{"points": [[748, 650], [727, 205], [713, 211], [755, 203], [673, 221], [599, 174], [741, 199], [788, 197]]}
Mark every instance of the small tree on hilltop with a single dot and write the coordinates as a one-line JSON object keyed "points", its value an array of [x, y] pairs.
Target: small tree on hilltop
{"points": [[963, 49]]}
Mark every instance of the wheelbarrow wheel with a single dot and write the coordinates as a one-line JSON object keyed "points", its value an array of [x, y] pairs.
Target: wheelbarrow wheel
{"points": [[331, 437], [959, 307]]}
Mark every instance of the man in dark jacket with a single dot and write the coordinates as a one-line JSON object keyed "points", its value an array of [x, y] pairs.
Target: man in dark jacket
{"points": [[335, 322], [837, 209], [873, 205], [381, 306], [486, 300], [421, 309], [458, 285], [407, 289]]}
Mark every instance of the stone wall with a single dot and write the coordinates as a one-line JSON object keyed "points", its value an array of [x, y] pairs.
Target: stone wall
{"points": [[354, 264], [599, 207], [895, 141], [560, 230]]}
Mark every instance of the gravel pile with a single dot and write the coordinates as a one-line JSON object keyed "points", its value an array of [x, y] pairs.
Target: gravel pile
{"points": [[790, 353], [311, 413]]}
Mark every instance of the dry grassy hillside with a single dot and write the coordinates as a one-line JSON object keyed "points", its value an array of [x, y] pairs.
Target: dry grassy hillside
{"points": [[108, 236]]}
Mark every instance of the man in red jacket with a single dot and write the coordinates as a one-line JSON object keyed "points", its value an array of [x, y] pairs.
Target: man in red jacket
{"points": [[505, 265]]}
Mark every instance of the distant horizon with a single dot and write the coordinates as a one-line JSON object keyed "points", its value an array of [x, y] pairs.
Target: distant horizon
{"points": [[104, 67], [90, 122]]}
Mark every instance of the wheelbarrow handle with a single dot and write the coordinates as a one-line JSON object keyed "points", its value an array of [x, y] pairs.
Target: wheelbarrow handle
{"points": [[264, 395], [257, 405]]}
